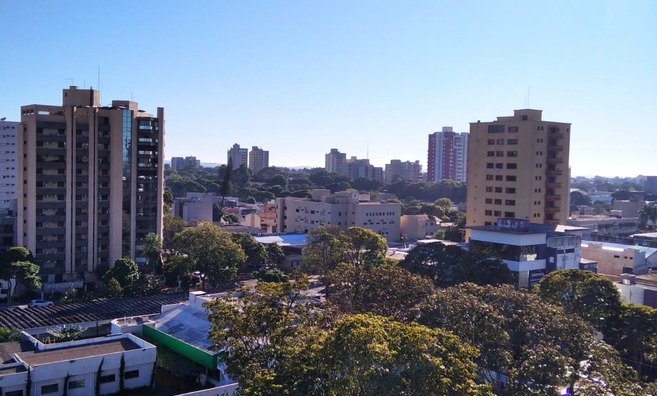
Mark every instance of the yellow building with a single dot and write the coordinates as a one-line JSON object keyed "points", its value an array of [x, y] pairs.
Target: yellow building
{"points": [[518, 169]]}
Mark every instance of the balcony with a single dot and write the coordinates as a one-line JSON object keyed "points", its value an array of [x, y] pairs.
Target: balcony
{"points": [[554, 172], [554, 160], [553, 184], [552, 209]]}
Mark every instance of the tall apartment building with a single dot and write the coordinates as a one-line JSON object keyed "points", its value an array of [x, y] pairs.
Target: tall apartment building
{"points": [[343, 209], [8, 181], [180, 163], [518, 169], [447, 155], [238, 155], [405, 169], [90, 182], [336, 162], [258, 159]]}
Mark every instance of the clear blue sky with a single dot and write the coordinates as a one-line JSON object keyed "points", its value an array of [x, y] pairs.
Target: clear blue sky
{"points": [[298, 78]]}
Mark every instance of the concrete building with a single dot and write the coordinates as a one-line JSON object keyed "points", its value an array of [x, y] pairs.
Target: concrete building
{"points": [[518, 168], [630, 207], [83, 367], [238, 155], [602, 227], [91, 185], [9, 132], [343, 209], [615, 259], [651, 184], [414, 227], [258, 159], [447, 155], [336, 162], [530, 250], [405, 169], [180, 163], [194, 208]]}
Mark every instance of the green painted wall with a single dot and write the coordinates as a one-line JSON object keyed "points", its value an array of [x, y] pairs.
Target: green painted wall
{"points": [[192, 353]]}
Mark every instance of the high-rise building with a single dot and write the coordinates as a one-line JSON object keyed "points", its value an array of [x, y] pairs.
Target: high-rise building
{"points": [[180, 163], [91, 183], [447, 155], [8, 163], [238, 155], [258, 159], [336, 162], [405, 169], [518, 169]]}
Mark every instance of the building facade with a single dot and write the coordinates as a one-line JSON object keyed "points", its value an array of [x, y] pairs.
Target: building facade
{"points": [[258, 159], [447, 157], [91, 184], [518, 168], [343, 209], [239, 156], [180, 163], [335, 162], [404, 169]]}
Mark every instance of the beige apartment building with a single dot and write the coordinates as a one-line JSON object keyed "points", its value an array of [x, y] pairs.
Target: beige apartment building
{"points": [[518, 169], [91, 183], [343, 209]]}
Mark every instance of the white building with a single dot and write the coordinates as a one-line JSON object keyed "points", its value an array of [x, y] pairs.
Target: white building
{"points": [[76, 368], [8, 164], [343, 209], [528, 249], [238, 155], [447, 155], [336, 162]]}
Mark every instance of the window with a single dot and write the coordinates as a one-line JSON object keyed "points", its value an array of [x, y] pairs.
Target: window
{"points": [[14, 393], [510, 214], [489, 189], [489, 200], [52, 388], [488, 213], [106, 379], [131, 374], [510, 190], [76, 384], [510, 202], [490, 154], [495, 128], [498, 189], [490, 165], [491, 141], [512, 141], [499, 153], [497, 213], [498, 202], [510, 178], [489, 177], [498, 177], [513, 129], [511, 153], [500, 141], [512, 165], [499, 165]]}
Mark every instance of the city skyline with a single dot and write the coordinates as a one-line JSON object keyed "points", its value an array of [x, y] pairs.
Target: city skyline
{"points": [[371, 79]]}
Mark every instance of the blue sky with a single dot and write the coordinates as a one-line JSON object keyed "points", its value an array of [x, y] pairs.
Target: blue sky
{"points": [[370, 78]]}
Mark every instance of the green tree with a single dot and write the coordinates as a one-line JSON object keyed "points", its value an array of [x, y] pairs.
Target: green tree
{"points": [[325, 250], [178, 267], [373, 355], [648, 213], [436, 260], [275, 254], [112, 288], [256, 254], [124, 270], [172, 226], [7, 334], [226, 175], [151, 246], [637, 336], [365, 247], [386, 290], [215, 254], [585, 294]]}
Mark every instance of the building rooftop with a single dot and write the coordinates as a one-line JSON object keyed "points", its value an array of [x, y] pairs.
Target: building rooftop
{"points": [[35, 358], [618, 247], [186, 323]]}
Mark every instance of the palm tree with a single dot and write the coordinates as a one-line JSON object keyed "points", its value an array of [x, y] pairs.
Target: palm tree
{"points": [[151, 246], [648, 213]]}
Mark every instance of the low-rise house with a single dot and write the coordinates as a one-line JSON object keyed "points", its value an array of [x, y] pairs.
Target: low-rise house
{"points": [[615, 259], [415, 227]]}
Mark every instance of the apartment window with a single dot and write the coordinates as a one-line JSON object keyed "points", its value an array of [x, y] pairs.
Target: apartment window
{"points": [[489, 177], [495, 128], [490, 165], [106, 379], [131, 374], [510, 202], [498, 202], [499, 165], [498, 177], [498, 189], [489, 189], [510, 214], [512, 141], [510, 178], [76, 384], [511, 153], [500, 141], [513, 129], [52, 388], [512, 165], [488, 212], [489, 200], [510, 190], [497, 213], [491, 141], [490, 154]]}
